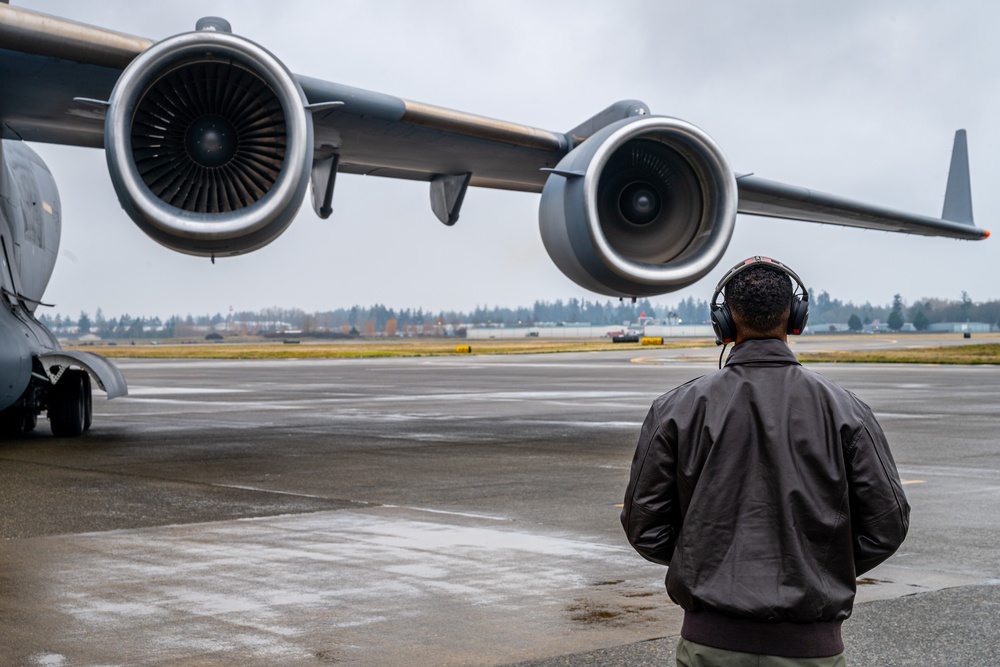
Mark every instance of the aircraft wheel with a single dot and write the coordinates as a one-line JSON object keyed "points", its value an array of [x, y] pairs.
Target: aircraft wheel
{"points": [[67, 406], [16, 422], [88, 401], [29, 421]]}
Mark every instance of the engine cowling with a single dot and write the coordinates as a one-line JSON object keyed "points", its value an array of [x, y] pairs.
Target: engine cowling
{"points": [[645, 206], [209, 144]]}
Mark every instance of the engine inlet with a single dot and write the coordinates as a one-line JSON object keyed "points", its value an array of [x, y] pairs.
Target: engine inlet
{"points": [[209, 137]]}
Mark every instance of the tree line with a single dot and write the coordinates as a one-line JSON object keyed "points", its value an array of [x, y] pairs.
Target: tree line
{"points": [[823, 309], [380, 319]]}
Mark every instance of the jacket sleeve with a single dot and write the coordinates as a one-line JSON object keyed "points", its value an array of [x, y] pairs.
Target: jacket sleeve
{"points": [[650, 515], [880, 515]]}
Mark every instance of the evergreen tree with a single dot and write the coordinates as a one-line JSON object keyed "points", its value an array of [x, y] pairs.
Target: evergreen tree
{"points": [[895, 320], [854, 323], [136, 327], [100, 323], [920, 321], [966, 305], [897, 303]]}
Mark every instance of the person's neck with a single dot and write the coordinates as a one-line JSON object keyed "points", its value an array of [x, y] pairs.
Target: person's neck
{"points": [[783, 337]]}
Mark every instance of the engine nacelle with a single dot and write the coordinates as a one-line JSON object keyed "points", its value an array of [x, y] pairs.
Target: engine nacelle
{"points": [[645, 206], [209, 144]]}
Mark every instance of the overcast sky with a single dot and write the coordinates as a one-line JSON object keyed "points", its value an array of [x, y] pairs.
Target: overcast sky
{"points": [[859, 99]]}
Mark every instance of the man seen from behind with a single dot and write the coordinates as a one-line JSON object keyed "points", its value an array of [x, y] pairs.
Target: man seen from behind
{"points": [[766, 489]]}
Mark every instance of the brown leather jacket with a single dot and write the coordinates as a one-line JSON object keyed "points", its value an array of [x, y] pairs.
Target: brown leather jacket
{"points": [[767, 489]]}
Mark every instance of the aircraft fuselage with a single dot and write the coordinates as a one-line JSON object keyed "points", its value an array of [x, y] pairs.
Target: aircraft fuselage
{"points": [[30, 228], [36, 375]]}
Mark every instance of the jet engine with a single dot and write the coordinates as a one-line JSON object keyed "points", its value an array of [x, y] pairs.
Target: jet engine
{"points": [[209, 143], [643, 207]]}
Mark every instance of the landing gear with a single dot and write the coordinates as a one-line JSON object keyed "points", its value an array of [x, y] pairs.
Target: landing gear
{"points": [[88, 402], [71, 405], [16, 422]]}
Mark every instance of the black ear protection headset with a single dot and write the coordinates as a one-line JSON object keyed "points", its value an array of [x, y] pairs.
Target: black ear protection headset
{"points": [[722, 317]]}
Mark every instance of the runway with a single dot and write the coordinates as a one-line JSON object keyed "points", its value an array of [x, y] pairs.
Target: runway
{"points": [[445, 511]]}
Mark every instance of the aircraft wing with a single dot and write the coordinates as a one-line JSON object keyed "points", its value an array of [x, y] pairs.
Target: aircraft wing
{"points": [[47, 61], [53, 73], [759, 196], [381, 135], [632, 204]]}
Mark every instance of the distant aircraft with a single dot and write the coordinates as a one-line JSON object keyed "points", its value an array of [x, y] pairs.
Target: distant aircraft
{"points": [[211, 143]]}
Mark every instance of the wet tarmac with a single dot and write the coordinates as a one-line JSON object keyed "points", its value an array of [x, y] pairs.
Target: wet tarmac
{"points": [[449, 511]]}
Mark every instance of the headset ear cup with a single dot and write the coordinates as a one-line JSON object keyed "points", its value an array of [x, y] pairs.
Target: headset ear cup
{"points": [[722, 322], [799, 316]]}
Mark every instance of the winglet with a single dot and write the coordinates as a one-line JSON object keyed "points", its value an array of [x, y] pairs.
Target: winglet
{"points": [[958, 195]]}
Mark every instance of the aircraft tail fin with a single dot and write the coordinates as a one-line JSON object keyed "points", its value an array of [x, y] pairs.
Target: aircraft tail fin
{"points": [[958, 195]]}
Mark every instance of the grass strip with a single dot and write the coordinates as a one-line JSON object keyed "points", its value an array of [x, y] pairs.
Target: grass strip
{"points": [[959, 354], [358, 350]]}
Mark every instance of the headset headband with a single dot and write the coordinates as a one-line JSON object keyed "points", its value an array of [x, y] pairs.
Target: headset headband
{"points": [[751, 262], [722, 317]]}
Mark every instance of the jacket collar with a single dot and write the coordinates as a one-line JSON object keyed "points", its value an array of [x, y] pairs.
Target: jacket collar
{"points": [[766, 350]]}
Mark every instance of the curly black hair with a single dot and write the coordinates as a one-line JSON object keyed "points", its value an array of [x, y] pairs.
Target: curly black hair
{"points": [[761, 298]]}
